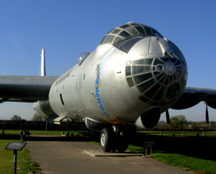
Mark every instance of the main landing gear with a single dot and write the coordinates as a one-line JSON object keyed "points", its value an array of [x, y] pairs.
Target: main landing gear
{"points": [[112, 139]]}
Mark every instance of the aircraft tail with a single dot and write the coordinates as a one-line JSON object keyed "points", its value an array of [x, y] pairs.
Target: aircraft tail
{"points": [[43, 67]]}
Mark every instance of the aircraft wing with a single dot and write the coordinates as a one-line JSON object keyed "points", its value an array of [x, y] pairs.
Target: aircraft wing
{"points": [[25, 88], [192, 96]]}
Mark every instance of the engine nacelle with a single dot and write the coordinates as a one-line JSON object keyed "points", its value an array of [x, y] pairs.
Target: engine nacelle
{"points": [[44, 109], [149, 118]]}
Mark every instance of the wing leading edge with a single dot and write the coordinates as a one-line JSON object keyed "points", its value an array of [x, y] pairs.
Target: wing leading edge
{"points": [[192, 96], [25, 88]]}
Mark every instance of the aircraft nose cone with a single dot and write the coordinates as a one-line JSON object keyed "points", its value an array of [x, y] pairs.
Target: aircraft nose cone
{"points": [[160, 73]]}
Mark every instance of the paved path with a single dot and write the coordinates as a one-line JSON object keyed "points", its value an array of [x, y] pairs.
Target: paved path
{"points": [[63, 157]]}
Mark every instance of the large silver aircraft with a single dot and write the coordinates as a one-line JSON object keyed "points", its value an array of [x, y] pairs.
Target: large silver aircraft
{"points": [[133, 76]]}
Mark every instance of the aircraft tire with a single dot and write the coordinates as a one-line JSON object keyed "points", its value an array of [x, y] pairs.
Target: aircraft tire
{"points": [[106, 139]]}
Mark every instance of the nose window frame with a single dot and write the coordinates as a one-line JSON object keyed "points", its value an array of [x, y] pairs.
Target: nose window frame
{"points": [[154, 84]]}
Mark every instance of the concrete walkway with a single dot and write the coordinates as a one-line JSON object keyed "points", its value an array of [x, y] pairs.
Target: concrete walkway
{"points": [[64, 157]]}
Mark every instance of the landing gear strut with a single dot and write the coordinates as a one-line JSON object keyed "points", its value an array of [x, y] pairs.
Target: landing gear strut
{"points": [[122, 142], [113, 139]]}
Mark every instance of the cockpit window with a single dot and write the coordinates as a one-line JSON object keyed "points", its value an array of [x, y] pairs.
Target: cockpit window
{"points": [[148, 31], [116, 31], [133, 31], [109, 39], [117, 39], [155, 33], [127, 31], [124, 34], [124, 26], [140, 29], [102, 40], [133, 23]]}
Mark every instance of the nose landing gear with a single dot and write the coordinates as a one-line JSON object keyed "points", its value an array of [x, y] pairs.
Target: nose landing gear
{"points": [[106, 139], [112, 139]]}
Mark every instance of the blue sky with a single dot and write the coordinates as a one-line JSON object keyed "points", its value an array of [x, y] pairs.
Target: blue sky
{"points": [[67, 28]]}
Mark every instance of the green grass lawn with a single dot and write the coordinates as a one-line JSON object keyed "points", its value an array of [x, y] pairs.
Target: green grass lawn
{"points": [[25, 163], [187, 163]]}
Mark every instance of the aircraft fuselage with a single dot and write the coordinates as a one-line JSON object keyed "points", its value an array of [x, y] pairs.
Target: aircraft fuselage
{"points": [[112, 86]]}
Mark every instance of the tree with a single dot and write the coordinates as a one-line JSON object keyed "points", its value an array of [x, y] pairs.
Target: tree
{"points": [[36, 117], [15, 118], [178, 121]]}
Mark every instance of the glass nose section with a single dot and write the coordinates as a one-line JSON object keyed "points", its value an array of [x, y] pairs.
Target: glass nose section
{"points": [[158, 79]]}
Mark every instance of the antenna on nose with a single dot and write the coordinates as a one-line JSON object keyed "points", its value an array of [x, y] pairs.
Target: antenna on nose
{"points": [[171, 54]]}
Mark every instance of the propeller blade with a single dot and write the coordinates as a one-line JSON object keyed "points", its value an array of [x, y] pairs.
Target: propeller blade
{"points": [[167, 117], [207, 114]]}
